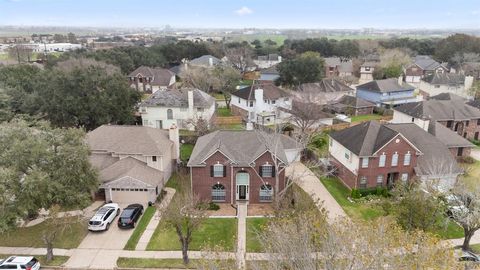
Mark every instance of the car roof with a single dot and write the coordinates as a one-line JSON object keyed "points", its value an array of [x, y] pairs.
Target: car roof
{"points": [[18, 259]]}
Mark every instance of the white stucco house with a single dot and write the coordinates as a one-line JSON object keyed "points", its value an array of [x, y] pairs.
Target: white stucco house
{"points": [[453, 83], [181, 107], [134, 162], [261, 103]]}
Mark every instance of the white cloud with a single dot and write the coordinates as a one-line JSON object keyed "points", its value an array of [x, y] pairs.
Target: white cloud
{"points": [[244, 11]]}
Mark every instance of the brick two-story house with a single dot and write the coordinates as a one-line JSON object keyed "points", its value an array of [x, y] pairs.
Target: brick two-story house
{"points": [[230, 166], [372, 155]]}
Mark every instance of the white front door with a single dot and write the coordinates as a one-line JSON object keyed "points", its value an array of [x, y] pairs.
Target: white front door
{"points": [[242, 183]]}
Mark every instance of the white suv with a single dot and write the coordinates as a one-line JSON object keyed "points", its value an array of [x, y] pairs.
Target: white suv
{"points": [[20, 263], [104, 217]]}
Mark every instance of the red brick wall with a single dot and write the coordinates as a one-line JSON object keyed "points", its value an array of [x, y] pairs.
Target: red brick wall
{"points": [[363, 111], [466, 151], [471, 129], [202, 182], [348, 178]]}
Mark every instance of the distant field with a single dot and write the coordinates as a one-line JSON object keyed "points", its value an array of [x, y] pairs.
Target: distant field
{"points": [[279, 39]]}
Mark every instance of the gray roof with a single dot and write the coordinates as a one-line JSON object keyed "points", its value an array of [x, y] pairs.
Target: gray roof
{"points": [[342, 65], [447, 96], [204, 61], [445, 78], [140, 140], [327, 85], [269, 57], [242, 147], [425, 62], [270, 70], [130, 173], [440, 110], [160, 76], [447, 136], [102, 160], [355, 102], [270, 91], [178, 98], [385, 86]]}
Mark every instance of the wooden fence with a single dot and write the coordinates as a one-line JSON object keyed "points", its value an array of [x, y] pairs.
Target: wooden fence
{"points": [[228, 120]]}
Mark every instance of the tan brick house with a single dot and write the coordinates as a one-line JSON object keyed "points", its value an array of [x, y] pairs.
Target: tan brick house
{"points": [[229, 166], [372, 155]]}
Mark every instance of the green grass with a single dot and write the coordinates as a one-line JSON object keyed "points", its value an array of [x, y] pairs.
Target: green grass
{"points": [[254, 226], [224, 112], [367, 117], [173, 182], [186, 151], [232, 127], [452, 231], [218, 96], [140, 228], [57, 260], [365, 211], [32, 236], [154, 263], [214, 232], [475, 248]]}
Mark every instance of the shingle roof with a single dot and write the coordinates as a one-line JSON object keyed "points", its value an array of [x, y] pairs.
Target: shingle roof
{"points": [[160, 76], [342, 65], [130, 140], [269, 57], [355, 102], [270, 91], [447, 96], [385, 86], [204, 60], [445, 78], [101, 161], [270, 70], [178, 98], [425, 62], [447, 136], [440, 110], [127, 172], [327, 85], [241, 147]]}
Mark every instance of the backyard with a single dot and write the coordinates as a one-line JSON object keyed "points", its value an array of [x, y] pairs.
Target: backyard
{"points": [[223, 112], [367, 117], [186, 151]]}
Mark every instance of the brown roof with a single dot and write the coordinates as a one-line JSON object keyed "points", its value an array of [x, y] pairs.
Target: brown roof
{"points": [[132, 140], [325, 86], [160, 76], [130, 173], [270, 91]]}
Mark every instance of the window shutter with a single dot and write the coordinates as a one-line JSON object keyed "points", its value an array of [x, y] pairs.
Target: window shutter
{"points": [[273, 171], [211, 170], [224, 170], [260, 171]]}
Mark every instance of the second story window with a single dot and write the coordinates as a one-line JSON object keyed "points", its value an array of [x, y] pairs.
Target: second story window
{"points": [[395, 159], [407, 158], [381, 160], [154, 158], [267, 170], [364, 162], [251, 103], [217, 170], [273, 101], [169, 114]]}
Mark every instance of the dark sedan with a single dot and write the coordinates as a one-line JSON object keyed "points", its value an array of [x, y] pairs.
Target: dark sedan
{"points": [[130, 216]]}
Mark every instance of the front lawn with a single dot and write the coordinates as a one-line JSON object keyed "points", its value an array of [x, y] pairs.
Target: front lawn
{"points": [[186, 151], [254, 226], [224, 112], [32, 236], [140, 228], [214, 232], [154, 263], [57, 260], [365, 211], [367, 117]]}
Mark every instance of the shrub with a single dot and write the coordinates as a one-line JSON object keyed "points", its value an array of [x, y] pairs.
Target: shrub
{"points": [[355, 194], [213, 206], [467, 159]]}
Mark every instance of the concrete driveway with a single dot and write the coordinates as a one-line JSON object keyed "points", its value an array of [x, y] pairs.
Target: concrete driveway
{"points": [[99, 250]]}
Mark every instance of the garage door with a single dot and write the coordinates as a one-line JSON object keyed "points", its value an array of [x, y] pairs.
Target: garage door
{"points": [[129, 197]]}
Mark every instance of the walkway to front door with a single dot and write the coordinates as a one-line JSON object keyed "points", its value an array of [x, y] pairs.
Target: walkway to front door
{"points": [[242, 182]]}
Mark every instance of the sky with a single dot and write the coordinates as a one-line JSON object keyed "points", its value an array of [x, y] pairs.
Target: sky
{"points": [[332, 14]]}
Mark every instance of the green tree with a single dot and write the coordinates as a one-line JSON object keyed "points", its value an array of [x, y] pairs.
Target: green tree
{"points": [[308, 67], [41, 166]]}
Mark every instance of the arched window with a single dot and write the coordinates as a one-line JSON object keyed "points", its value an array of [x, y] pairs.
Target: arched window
{"points": [[266, 193], [169, 114], [218, 193]]}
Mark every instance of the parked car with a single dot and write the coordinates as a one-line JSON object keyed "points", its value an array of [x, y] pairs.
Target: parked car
{"points": [[468, 256], [20, 263], [104, 217], [130, 216]]}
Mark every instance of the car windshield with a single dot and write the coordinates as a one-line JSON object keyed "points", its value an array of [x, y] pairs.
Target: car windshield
{"points": [[32, 262], [127, 213], [124, 219]]}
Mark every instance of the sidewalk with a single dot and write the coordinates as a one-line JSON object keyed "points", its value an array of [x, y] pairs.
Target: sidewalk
{"points": [[309, 182], [153, 224], [241, 234]]}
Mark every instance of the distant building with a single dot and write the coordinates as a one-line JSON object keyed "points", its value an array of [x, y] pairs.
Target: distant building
{"points": [[326, 90], [266, 61], [454, 83], [366, 72], [351, 105], [337, 67], [423, 66], [387, 92], [270, 74], [150, 80]]}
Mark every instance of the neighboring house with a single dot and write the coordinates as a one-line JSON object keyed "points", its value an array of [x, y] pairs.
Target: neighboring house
{"points": [[205, 61], [134, 162], [472, 69], [269, 74], [150, 80], [260, 103], [458, 146], [454, 83], [231, 166], [422, 66], [182, 107], [326, 90], [366, 72], [352, 106], [387, 92], [454, 114], [337, 67], [266, 61], [370, 155]]}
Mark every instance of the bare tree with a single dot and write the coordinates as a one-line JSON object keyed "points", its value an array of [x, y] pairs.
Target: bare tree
{"points": [[225, 80], [82, 62], [465, 208], [198, 77], [395, 57], [185, 213], [240, 57]]}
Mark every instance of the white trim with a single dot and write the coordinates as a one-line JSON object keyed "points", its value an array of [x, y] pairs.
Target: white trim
{"points": [[214, 152], [399, 134]]}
